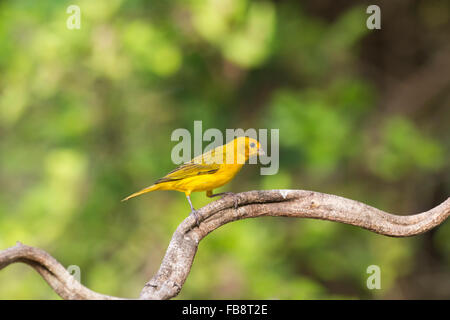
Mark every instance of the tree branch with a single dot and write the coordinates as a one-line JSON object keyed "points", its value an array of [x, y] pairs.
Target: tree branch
{"points": [[177, 262]]}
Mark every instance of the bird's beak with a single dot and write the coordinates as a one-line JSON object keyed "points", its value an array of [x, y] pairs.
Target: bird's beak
{"points": [[261, 152]]}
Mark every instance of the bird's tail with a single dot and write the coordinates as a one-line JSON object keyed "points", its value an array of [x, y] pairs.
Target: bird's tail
{"points": [[145, 190]]}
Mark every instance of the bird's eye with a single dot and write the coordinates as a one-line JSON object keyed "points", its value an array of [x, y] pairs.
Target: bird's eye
{"points": [[252, 145]]}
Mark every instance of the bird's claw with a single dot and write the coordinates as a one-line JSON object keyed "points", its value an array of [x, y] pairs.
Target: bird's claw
{"points": [[235, 198], [195, 214]]}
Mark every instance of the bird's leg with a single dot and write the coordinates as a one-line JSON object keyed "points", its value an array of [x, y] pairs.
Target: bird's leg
{"points": [[193, 211], [209, 194]]}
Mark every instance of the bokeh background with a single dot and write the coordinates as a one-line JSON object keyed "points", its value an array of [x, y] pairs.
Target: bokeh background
{"points": [[86, 118]]}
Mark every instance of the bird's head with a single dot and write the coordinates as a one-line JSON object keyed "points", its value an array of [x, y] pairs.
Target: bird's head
{"points": [[246, 148]]}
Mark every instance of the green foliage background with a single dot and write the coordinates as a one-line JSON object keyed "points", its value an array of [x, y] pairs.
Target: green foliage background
{"points": [[86, 118]]}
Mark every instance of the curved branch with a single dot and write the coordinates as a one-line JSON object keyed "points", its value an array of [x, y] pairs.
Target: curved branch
{"points": [[177, 262], [61, 281]]}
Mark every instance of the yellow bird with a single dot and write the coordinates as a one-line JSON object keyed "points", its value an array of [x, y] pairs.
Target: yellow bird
{"points": [[208, 171]]}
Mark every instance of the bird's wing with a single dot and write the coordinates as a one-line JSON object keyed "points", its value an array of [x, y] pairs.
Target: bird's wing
{"points": [[206, 163], [188, 170]]}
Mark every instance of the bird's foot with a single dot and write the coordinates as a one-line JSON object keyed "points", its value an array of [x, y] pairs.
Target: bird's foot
{"points": [[225, 194], [235, 198], [195, 214]]}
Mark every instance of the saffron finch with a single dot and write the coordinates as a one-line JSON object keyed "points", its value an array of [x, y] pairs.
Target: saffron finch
{"points": [[208, 171]]}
